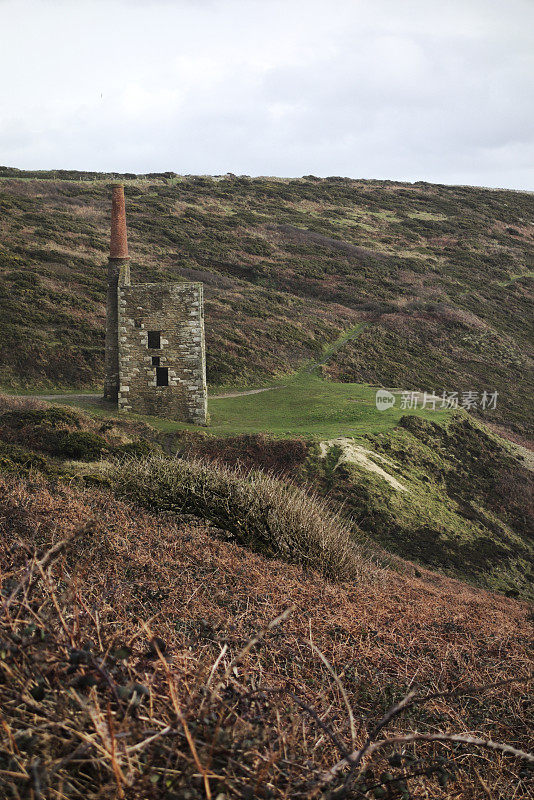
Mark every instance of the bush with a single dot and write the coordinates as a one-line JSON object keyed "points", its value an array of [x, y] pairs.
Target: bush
{"points": [[55, 416], [19, 461], [261, 512], [253, 451], [83, 445], [140, 449]]}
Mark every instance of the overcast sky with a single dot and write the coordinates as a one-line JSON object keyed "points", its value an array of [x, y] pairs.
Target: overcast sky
{"points": [[437, 90]]}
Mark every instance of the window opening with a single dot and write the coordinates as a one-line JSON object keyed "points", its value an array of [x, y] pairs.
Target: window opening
{"points": [[154, 340], [162, 376]]}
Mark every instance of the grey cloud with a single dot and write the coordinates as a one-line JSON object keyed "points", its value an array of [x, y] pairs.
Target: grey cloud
{"points": [[268, 87]]}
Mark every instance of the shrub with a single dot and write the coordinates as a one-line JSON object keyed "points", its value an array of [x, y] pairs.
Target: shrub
{"points": [[55, 416], [83, 445], [19, 461], [261, 512], [253, 451], [140, 449]]}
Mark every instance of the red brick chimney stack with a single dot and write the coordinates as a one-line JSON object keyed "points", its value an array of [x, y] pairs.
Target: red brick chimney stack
{"points": [[119, 243]]}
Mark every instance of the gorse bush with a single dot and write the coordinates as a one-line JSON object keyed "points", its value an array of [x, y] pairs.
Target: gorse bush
{"points": [[20, 461], [83, 445], [259, 511], [24, 414], [65, 433]]}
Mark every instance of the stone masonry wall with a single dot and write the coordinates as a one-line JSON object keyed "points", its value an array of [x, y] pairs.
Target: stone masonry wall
{"points": [[111, 380], [118, 272], [176, 310]]}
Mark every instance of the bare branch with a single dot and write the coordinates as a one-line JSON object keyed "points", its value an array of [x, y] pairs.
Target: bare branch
{"points": [[49, 557], [460, 738]]}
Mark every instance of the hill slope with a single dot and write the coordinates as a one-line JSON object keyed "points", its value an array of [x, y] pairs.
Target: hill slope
{"points": [[128, 666], [442, 275], [445, 494]]}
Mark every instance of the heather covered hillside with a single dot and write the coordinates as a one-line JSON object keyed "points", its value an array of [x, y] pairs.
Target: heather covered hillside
{"points": [[441, 275]]}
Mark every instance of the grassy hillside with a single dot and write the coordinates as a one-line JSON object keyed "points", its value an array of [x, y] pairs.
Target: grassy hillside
{"points": [[176, 624], [441, 491], [143, 656], [442, 277]]}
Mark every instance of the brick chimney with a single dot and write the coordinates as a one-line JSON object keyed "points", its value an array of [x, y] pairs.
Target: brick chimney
{"points": [[118, 274], [119, 243]]}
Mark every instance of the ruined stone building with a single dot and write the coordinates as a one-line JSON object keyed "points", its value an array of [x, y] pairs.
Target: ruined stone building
{"points": [[155, 351]]}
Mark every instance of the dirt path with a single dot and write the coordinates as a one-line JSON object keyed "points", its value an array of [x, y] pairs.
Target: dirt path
{"points": [[98, 397], [242, 394], [65, 396]]}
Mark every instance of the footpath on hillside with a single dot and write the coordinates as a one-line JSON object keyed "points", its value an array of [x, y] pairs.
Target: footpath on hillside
{"points": [[97, 398]]}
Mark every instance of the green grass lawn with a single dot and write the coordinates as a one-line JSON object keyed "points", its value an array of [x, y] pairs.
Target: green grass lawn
{"points": [[305, 405]]}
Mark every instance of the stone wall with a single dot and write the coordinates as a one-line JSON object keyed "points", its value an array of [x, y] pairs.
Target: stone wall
{"points": [[111, 379], [176, 311]]}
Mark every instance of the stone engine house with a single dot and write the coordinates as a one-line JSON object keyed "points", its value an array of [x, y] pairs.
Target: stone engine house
{"points": [[155, 348]]}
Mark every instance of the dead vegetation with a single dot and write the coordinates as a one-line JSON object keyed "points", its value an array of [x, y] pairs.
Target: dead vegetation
{"points": [[259, 511], [20, 403], [144, 658]]}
